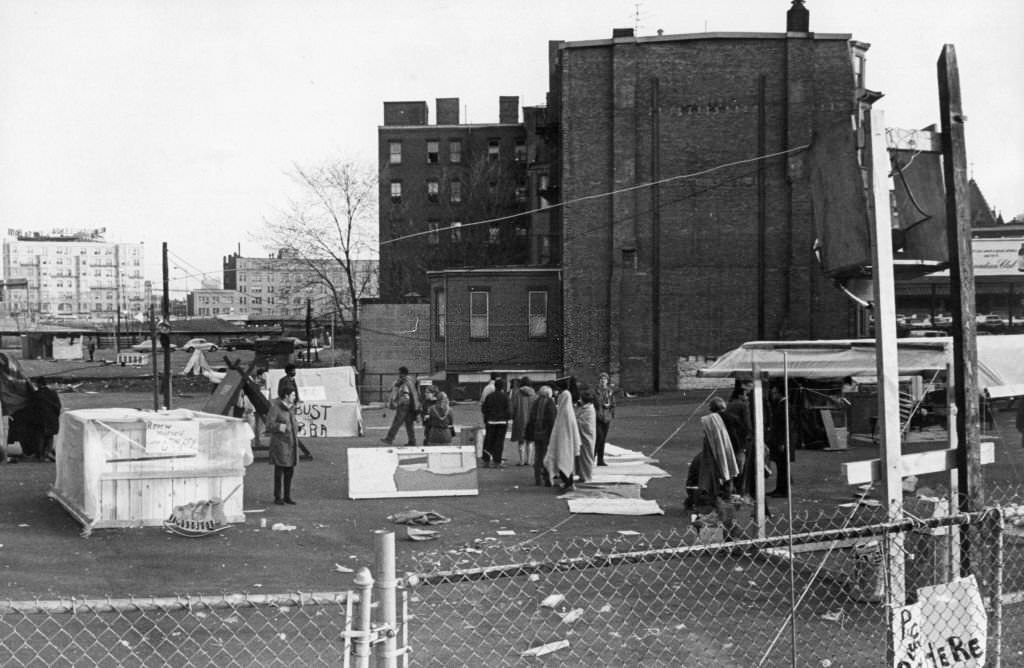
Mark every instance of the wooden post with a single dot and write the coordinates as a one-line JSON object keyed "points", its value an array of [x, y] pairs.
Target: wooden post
{"points": [[961, 290], [887, 359], [757, 414]]}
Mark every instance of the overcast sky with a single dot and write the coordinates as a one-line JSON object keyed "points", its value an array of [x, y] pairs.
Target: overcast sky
{"points": [[178, 120]]}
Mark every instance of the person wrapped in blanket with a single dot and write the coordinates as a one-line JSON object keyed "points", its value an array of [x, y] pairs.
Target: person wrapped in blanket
{"points": [[712, 471]]}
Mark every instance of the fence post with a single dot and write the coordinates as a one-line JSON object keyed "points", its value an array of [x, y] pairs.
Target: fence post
{"points": [[385, 588], [998, 527], [361, 631]]}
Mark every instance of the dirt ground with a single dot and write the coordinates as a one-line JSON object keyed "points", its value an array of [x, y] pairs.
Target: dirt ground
{"points": [[43, 555]]}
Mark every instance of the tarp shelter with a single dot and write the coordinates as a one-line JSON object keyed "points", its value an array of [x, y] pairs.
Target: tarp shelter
{"points": [[68, 347], [121, 467], [330, 401], [1000, 360]]}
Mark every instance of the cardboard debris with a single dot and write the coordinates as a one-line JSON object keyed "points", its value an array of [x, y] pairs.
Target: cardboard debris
{"points": [[552, 601], [279, 526], [505, 532], [338, 568], [421, 534], [546, 649], [615, 507], [572, 616]]}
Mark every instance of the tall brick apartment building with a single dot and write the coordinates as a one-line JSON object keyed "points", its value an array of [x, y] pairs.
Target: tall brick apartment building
{"points": [[453, 231], [720, 252]]}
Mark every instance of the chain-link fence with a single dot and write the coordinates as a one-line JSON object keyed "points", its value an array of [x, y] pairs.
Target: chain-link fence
{"points": [[807, 590], [814, 597]]}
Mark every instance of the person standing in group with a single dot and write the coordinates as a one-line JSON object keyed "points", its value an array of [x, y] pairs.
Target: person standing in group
{"points": [[586, 420], [564, 445], [259, 378], [45, 404], [538, 430], [718, 460], [404, 401], [497, 412], [605, 406], [522, 403], [739, 423], [778, 417], [438, 423], [289, 382], [284, 444]]}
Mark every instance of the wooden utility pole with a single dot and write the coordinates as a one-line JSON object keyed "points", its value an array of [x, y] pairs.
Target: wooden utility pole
{"points": [[961, 286], [165, 331]]}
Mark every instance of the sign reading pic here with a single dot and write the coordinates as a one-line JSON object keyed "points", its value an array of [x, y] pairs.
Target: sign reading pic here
{"points": [[165, 437], [947, 627]]}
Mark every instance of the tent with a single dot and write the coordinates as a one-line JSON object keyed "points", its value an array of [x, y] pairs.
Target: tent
{"points": [[1000, 362]]}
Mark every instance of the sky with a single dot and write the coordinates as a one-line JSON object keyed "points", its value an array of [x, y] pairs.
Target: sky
{"points": [[179, 121]]}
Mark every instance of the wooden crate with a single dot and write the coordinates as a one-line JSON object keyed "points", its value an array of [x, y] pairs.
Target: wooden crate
{"points": [[126, 468]]}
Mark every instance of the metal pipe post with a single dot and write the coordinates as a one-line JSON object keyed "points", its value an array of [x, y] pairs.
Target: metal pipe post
{"points": [[385, 588], [361, 624]]}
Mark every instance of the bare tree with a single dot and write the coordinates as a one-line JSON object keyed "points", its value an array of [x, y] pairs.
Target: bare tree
{"points": [[329, 231]]}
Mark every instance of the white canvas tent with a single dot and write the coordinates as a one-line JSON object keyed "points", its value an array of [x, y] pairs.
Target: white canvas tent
{"points": [[1000, 360]]}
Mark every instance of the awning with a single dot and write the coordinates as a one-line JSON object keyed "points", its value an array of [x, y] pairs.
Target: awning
{"points": [[1000, 360]]}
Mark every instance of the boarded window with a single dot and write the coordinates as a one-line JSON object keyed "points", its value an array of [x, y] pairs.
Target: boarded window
{"points": [[479, 306], [538, 313]]}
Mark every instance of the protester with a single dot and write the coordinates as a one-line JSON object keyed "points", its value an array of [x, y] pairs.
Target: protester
{"points": [[497, 412], [739, 422], [260, 380], [522, 403], [778, 416], [538, 430], [586, 420], [284, 445], [439, 425], [564, 445], [718, 461], [45, 402], [605, 405], [404, 401], [288, 383]]}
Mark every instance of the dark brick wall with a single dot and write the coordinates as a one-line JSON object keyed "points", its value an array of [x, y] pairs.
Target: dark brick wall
{"points": [[508, 345], [708, 111]]}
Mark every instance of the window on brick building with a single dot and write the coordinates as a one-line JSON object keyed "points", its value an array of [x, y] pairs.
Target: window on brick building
{"points": [[520, 151], [433, 151], [455, 192], [396, 191], [479, 306], [493, 149], [494, 235], [454, 150], [433, 238], [440, 310], [538, 325], [456, 231], [543, 183], [433, 189], [395, 152]]}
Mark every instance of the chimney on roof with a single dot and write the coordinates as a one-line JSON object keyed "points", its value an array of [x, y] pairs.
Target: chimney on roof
{"points": [[621, 32], [447, 109], [508, 109], [798, 19]]}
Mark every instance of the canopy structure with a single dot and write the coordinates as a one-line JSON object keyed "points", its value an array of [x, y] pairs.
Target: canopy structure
{"points": [[1000, 360]]}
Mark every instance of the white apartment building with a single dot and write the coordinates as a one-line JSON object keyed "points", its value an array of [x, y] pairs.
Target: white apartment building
{"points": [[72, 274]]}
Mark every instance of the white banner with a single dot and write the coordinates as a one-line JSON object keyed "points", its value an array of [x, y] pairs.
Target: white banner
{"points": [[946, 628]]}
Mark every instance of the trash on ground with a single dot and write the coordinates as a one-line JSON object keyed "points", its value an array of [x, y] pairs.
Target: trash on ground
{"points": [[428, 517], [607, 607], [572, 615], [547, 648], [421, 534], [833, 616], [505, 532], [338, 568], [281, 526], [628, 532], [552, 601]]}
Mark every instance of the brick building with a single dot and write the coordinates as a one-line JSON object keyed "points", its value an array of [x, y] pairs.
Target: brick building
{"points": [[721, 251], [459, 189]]}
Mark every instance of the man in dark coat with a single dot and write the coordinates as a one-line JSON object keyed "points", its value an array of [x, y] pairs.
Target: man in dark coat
{"points": [[538, 429], [497, 412], [405, 402]]}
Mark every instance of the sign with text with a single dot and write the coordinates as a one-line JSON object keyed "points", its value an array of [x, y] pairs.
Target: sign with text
{"points": [[947, 627], [171, 437]]}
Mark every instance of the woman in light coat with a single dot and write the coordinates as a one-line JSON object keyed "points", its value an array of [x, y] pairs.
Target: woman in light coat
{"points": [[564, 445], [586, 419]]}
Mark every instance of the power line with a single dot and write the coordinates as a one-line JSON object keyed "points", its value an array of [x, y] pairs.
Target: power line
{"points": [[586, 198]]}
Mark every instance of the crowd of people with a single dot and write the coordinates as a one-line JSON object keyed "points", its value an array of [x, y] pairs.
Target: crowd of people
{"points": [[726, 468], [559, 428]]}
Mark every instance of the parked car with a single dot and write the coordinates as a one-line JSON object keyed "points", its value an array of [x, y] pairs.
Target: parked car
{"points": [[200, 344], [989, 320], [238, 343], [1017, 320], [146, 346], [919, 321]]}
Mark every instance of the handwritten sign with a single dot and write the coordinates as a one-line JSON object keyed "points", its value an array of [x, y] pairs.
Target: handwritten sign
{"points": [[947, 627], [171, 437], [326, 420]]}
